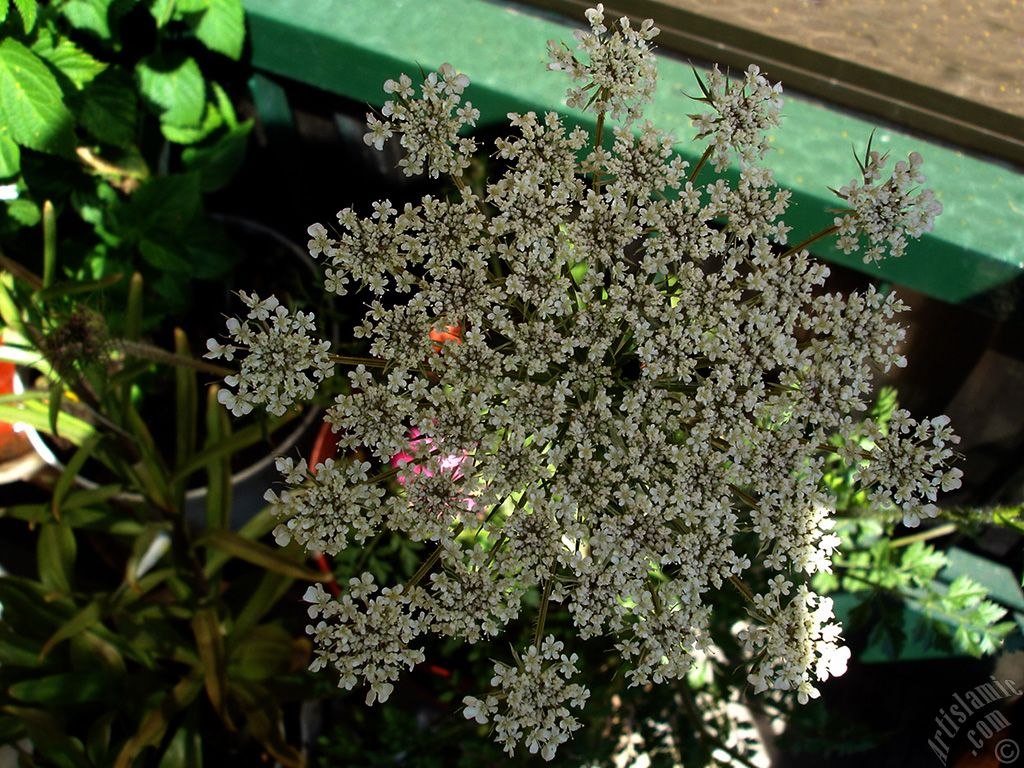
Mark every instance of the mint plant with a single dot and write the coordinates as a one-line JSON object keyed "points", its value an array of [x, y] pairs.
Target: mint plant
{"points": [[125, 141]]}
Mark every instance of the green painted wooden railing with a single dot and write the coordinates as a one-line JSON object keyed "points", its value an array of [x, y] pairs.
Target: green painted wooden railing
{"points": [[349, 47]]}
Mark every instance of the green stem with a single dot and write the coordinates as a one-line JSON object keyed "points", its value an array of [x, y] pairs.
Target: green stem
{"points": [[932, 533], [700, 164], [811, 240], [430, 562], [542, 615], [149, 352], [370, 362], [49, 244]]}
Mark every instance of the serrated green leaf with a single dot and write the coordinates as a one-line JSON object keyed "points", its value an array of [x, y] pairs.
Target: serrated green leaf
{"points": [[224, 105], [218, 163], [166, 255], [191, 134], [221, 27], [4, 7], [29, 11], [162, 11], [24, 211], [922, 561], [160, 205], [173, 86], [192, 6], [10, 156], [32, 110], [109, 108], [74, 63], [964, 591], [89, 15]]}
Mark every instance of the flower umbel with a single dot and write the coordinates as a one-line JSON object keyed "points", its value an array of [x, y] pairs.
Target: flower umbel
{"points": [[626, 410]]}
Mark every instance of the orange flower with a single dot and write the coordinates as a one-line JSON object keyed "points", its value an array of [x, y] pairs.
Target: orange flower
{"points": [[450, 333]]}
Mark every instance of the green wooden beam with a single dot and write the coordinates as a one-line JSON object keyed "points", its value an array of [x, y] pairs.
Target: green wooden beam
{"points": [[349, 47]]}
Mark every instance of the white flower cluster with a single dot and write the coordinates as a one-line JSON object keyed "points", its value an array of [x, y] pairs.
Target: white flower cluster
{"points": [[429, 126], [534, 694], [364, 637], [619, 72], [283, 364], [907, 464], [597, 378], [743, 110], [886, 214], [797, 643]]}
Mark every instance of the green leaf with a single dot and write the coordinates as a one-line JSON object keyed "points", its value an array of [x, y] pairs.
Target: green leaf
{"points": [[91, 652], [259, 554], [191, 134], [89, 15], [174, 88], [32, 110], [262, 653], [70, 473], [29, 11], [263, 718], [74, 63], [186, 400], [49, 738], [210, 644], [64, 689], [218, 472], [80, 622], [923, 562], [156, 721], [271, 588], [17, 650], [185, 747], [218, 163], [238, 441], [109, 108], [15, 408], [162, 11], [10, 156], [56, 550], [167, 254], [24, 211], [192, 6], [221, 27], [97, 741], [161, 204], [224, 105]]}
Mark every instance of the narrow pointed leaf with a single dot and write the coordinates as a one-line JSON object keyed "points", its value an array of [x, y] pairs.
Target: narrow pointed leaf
{"points": [[210, 644], [259, 554], [155, 724]]}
